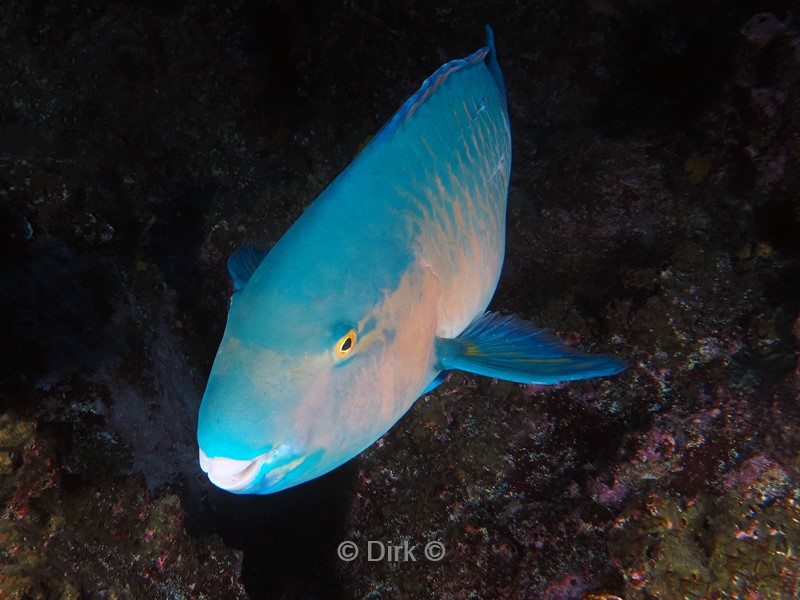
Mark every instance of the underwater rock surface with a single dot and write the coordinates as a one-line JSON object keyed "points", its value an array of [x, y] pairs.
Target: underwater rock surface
{"points": [[653, 215], [106, 539]]}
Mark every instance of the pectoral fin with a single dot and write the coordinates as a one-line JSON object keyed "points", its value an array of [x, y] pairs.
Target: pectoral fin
{"points": [[242, 264], [509, 348]]}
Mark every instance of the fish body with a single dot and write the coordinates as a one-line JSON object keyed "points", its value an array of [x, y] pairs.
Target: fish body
{"points": [[375, 293]]}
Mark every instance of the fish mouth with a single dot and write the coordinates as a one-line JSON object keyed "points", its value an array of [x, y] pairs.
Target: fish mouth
{"points": [[241, 476]]}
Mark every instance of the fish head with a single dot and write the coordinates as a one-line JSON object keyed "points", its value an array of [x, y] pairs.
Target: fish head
{"points": [[293, 395]]}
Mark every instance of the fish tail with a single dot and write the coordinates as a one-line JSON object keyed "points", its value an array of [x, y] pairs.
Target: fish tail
{"points": [[491, 62]]}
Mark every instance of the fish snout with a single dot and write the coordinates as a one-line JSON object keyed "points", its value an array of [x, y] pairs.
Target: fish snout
{"points": [[261, 474]]}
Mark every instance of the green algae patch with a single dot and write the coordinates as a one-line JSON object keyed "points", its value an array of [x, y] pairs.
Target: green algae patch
{"points": [[731, 547]]}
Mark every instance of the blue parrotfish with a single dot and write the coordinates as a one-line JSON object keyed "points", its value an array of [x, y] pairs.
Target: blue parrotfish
{"points": [[375, 293]]}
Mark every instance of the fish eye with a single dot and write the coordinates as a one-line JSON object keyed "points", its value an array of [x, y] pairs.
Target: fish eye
{"points": [[346, 344]]}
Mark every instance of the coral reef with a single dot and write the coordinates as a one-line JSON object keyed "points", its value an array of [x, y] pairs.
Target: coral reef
{"points": [[735, 546], [108, 539]]}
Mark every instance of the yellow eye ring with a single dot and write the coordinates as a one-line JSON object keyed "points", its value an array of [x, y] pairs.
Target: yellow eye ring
{"points": [[345, 344]]}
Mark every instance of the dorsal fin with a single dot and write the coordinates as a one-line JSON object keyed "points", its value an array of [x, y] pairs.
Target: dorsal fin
{"points": [[242, 264]]}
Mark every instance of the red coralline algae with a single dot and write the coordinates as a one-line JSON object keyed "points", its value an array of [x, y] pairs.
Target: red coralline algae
{"points": [[603, 494]]}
